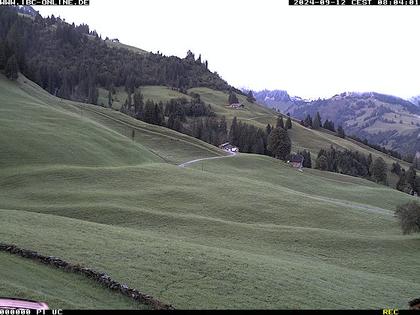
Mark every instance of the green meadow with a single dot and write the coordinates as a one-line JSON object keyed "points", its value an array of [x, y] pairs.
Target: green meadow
{"points": [[246, 231], [27, 279]]}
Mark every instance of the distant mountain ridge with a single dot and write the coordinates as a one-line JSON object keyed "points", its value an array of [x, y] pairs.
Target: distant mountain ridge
{"points": [[382, 119], [278, 99]]}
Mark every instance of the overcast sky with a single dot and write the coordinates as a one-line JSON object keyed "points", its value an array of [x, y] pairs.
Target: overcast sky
{"points": [[308, 51]]}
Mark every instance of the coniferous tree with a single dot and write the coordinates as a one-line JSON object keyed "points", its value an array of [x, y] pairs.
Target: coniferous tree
{"points": [[340, 132], [11, 70], [177, 125], [416, 162], [411, 179], [280, 123], [222, 130], [316, 124], [308, 121], [379, 170], [329, 125], [138, 104], [3, 58], [396, 168], [402, 183], [268, 129], [65, 90], [250, 97], [197, 128], [149, 112], [233, 99], [321, 163], [234, 132], [109, 99], [129, 102], [40, 44], [279, 143], [93, 95], [288, 123], [369, 163], [307, 162], [158, 116]]}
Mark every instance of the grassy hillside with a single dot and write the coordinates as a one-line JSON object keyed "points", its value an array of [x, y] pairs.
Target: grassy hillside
{"points": [[382, 119], [260, 116], [241, 232], [125, 46], [30, 280], [152, 143], [34, 133]]}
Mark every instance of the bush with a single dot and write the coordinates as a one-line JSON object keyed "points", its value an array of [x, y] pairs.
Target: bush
{"points": [[409, 216]]}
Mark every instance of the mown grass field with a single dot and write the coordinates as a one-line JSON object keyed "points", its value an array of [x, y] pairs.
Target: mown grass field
{"points": [[240, 232], [27, 279]]}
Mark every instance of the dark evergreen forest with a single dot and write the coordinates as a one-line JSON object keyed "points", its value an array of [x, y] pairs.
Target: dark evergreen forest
{"points": [[72, 61]]}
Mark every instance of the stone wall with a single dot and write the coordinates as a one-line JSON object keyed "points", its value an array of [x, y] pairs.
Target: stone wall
{"points": [[97, 276]]}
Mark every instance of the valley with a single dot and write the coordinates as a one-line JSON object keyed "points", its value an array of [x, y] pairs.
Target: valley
{"points": [[155, 171], [181, 234]]}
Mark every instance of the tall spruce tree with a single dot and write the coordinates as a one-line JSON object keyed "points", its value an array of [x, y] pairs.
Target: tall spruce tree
{"points": [[3, 59], [138, 104], [321, 163], [316, 123], [109, 99], [233, 99], [149, 112], [416, 162], [411, 179], [250, 97], [11, 70], [307, 162], [288, 123], [340, 132], [279, 143], [280, 123], [268, 129], [379, 170], [308, 121], [402, 183], [234, 132]]}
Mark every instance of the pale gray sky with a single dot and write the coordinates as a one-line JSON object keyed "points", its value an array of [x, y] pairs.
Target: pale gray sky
{"points": [[308, 51]]}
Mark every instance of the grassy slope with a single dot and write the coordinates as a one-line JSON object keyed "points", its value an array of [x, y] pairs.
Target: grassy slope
{"points": [[27, 279], [319, 240], [302, 138], [163, 143], [125, 46], [26, 125]]}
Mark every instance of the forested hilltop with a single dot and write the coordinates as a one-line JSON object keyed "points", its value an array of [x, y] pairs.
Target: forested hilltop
{"points": [[72, 61]]}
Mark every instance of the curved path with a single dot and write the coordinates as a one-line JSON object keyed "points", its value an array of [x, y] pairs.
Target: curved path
{"points": [[231, 154]]}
